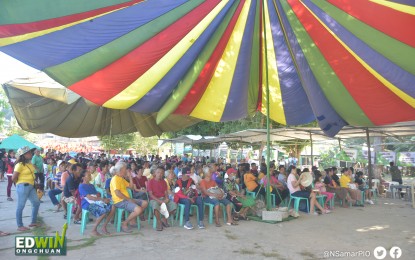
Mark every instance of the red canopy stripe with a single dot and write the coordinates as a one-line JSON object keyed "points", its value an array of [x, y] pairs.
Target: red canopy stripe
{"points": [[380, 107], [114, 78], [199, 87], [365, 10]]}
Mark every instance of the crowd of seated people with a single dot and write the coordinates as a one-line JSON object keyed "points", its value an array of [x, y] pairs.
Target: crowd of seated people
{"points": [[138, 185]]}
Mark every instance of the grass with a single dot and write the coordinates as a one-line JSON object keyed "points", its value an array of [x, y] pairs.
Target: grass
{"points": [[308, 254], [272, 254], [88, 242], [247, 252]]}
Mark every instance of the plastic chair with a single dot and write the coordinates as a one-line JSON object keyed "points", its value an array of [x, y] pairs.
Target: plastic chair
{"points": [[118, 215], [58, 197], [321, 199], [250, 193], [180, 212], [297, 203], [69, 207], [85, 220], [101, 191], [211, 207], [331, 202], [151, 215]]}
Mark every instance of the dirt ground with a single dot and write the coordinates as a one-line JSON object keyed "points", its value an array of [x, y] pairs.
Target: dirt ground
{"points": [[388, 223]]}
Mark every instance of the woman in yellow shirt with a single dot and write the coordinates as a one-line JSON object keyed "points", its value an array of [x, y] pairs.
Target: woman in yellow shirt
{"points": [[24, 178]]}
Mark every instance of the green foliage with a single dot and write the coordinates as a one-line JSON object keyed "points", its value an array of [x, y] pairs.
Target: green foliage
{"points": [[4, 106], [118, 142], [328, 158], [145, 145], [142, 145]]}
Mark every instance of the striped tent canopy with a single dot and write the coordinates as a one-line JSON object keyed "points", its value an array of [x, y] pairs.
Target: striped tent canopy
{"points": [[340, 62]]}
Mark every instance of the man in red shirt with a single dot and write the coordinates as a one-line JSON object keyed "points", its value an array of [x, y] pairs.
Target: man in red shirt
{"points": [[215, 198], [157, 191]]}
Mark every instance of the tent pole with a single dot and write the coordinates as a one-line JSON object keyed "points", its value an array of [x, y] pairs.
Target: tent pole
{"points": [[340, 144], [268, 193], [369, 158], [311, 142]]}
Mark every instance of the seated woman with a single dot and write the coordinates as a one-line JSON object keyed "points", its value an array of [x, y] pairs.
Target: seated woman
{"points": [[362, 186], [277, 188], [209, 196], [347, 183], [294, 182], [241, 203], [140, 183], [250, 180], [333, 187], [319, 185], [97, 206]]}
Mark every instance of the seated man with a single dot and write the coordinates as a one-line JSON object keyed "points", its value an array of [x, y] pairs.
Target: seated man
{"points": [[157, 191], [122, 199], [58, 187], [215, 198], [97, 206], [187, 195]]}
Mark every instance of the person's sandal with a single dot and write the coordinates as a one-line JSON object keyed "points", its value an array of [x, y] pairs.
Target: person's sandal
{"points": [[159, 227], [9, 199], [232, 224], [23, 229], [35, 225], [78, 222], [218, 225]]}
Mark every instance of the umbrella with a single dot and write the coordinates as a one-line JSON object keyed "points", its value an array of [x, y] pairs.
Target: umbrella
{"points": [[338, 62], [16, 142]]}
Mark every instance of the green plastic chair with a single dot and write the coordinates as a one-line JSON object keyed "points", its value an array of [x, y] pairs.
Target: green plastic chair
{"points": [[297, 203], [211, 207], [101, 191], [84, 220], [118, 215], [58, 197], [151, 215], [69, 207], [180, 212]]}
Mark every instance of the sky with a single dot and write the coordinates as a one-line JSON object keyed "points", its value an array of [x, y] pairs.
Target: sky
{"points": [[11, 68]]}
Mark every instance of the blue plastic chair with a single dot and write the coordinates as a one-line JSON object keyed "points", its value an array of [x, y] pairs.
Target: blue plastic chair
{"points": [[85, 220], [118, 215], [180, 212], [297, 203], [69, 207]]}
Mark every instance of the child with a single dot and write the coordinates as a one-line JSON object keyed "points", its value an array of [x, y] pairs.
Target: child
{"points": [[319, 185]]}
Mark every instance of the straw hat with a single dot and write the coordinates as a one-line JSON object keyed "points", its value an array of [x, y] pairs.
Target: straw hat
{"points": [[24, 150]]}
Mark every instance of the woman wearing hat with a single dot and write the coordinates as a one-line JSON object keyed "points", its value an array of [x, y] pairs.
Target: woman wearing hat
{"points": [[24, 178]]}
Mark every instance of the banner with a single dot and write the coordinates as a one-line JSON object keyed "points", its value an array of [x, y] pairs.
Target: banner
{"points": [[351, 153], [406, 159], [365, 156], [384, 158]]}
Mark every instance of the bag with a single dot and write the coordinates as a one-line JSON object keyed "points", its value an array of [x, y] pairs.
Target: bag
{"points": [[259, 207], [216, 190], [352, 186]]}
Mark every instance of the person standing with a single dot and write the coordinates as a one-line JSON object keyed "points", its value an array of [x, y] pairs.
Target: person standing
{"points": [[9, 166], [37, 162], [396, 174], [24, 178]]}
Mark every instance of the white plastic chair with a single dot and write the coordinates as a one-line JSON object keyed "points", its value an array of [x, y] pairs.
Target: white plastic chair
{"points": [[395, 191]]}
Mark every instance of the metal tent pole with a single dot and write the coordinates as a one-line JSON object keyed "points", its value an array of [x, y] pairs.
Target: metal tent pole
{"points": [[311, 142], [268, 193], [369, 157]]}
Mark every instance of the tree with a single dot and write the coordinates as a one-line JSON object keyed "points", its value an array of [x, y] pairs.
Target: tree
{"points": [[145, 145], [4, 107], [118, 142]]}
